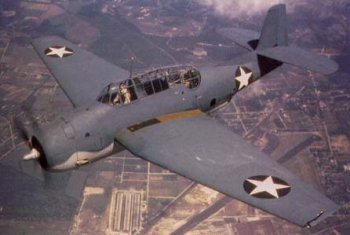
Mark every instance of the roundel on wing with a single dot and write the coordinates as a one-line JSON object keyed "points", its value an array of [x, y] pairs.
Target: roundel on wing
{"points": [[58, 51], [266, 187]]}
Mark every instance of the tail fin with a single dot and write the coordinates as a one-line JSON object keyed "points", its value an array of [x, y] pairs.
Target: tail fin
{"points": [[274, 31]]}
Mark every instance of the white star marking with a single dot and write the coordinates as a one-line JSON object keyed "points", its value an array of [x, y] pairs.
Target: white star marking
{"points": [[244, 78], [60, 52], [267, 185]]}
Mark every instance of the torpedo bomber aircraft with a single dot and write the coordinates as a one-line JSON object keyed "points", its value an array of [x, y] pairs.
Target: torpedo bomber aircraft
{"points": [[162, 117]]}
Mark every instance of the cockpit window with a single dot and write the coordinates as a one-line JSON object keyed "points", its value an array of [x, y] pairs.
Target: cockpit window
{"points": [[148, 87], [127, 92], [147, 84], [160, 84], [192, 78], [188, 76], [116, 94]]}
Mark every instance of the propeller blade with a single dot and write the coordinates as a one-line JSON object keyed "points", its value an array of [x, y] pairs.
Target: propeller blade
{"points": [[34, 154], [24, 122], [22, 131]]}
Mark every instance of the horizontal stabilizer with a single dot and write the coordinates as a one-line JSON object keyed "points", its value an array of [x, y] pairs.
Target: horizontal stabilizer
{"points": [[243, 37], [301, 58]]}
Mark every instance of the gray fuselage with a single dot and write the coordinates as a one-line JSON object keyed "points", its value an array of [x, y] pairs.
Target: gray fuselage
{"points": [[87, 134]]}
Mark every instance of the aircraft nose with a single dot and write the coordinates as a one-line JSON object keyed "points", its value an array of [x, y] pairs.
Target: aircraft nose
{"points": [[54, 146]]}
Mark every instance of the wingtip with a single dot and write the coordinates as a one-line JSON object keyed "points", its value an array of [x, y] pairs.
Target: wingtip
{"points": [[327, 67], [323, 214], [332, 67]]}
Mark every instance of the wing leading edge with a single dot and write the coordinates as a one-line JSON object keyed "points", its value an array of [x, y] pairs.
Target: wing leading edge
{"points": [[201, 149], [81, 74]]}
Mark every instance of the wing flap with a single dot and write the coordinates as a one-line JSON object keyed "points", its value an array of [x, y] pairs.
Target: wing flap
{"points": [[81, 74], [203, 150]]}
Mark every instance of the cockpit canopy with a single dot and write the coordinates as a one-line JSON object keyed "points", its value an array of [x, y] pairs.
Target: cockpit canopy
{"points": [[149, 83]]}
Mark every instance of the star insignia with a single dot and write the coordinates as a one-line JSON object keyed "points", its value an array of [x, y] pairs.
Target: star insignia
{"points": [[267, 187], [243, 75], [58, 51]]}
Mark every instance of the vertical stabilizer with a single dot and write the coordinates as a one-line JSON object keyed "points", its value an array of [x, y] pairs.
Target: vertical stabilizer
{"points": [[274, 31]]}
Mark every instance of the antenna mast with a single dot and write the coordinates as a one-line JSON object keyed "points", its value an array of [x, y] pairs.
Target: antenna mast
{"points": [[131, 64]]}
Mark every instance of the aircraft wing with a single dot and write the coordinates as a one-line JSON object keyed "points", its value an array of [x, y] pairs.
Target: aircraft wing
{"points": [[198, 147], [245, 38], [81, 74]]}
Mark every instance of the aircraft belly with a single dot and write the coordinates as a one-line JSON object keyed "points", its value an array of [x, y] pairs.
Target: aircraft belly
{"points": [[70, 163], [84, 157]]}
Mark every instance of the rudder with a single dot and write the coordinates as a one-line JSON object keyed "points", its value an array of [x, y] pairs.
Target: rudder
{"points": [[274, 31]]}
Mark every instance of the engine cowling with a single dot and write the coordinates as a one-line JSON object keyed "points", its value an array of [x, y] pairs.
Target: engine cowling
{"points": [[60, 147]]}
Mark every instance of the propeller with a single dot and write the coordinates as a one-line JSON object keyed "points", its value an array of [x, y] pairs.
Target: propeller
{"points": [[25, 129], [34, 154], [26, 126]]}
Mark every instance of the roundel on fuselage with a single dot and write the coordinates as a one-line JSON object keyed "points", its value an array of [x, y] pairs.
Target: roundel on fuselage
{"points": [[243, 77]]}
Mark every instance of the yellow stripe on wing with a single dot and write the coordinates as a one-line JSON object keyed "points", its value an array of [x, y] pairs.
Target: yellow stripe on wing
{"points": [[180, 115], [166, 118]]}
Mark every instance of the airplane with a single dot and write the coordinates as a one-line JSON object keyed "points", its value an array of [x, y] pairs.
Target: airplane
{"points": [[162, 116]]}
